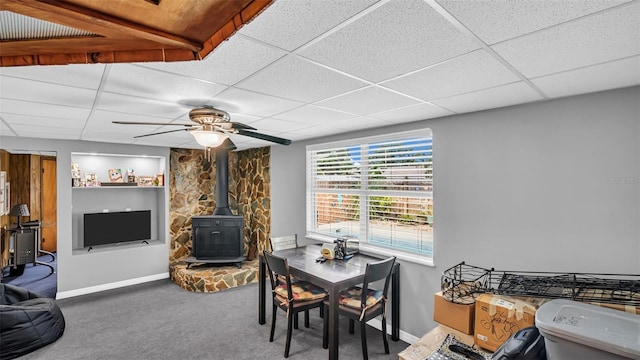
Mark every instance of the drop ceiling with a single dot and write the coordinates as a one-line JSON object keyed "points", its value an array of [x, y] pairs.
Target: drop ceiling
{"points": [[303, 69]]}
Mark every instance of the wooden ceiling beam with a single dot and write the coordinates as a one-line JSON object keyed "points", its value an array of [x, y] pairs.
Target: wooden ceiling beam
{"points": [[74, 16], [120, 40], [62, 45], [105, 57]]}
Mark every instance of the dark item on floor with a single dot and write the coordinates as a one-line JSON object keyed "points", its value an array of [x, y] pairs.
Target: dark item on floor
{"points": [[28, 321], [525, 344]]}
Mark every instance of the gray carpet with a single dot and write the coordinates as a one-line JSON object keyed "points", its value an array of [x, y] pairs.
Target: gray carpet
{"points": [[160, 320]]}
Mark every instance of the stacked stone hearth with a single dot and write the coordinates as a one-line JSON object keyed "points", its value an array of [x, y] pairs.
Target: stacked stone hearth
{"points": [[192, 192]]}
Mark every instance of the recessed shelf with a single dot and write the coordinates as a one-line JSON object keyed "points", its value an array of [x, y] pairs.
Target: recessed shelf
{"points": [[117, 196]]}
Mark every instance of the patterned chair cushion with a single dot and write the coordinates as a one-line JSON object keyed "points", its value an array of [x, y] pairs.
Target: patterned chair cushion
{"points": [[352, 297], [302, 290]]}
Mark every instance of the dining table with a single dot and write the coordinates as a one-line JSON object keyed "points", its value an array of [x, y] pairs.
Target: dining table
{"points": [[334, 276]]}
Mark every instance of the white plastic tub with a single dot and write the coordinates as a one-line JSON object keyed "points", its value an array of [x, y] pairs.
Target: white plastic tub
{"points": [[575, 330]]}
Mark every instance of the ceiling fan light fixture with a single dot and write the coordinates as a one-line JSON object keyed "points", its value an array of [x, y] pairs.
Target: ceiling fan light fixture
{"points": [[209, 139]]}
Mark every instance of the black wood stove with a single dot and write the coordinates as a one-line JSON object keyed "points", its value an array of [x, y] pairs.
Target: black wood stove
{"points": [[218, 238]]}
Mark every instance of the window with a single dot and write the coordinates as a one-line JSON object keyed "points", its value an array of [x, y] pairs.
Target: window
{"points": [[378, 190]]}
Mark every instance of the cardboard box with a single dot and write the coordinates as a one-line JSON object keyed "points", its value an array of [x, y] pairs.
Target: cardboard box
{"points": [[497, 317], [456, 316]]}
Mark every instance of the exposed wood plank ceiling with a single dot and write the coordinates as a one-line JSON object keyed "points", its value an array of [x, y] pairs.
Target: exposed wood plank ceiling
{"points": [[89, 31]]}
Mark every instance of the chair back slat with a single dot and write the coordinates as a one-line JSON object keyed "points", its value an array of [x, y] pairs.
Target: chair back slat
{"points": [[284, 242], [377, 271], [277, 266]]}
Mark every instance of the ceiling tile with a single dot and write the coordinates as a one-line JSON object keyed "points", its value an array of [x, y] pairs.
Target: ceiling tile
{"points": [[167, 142], [368, 101], [453, 77], [495, 21], [359, 123], [312, 132], [612, 75], [152, 84], [275, 125], [607, 36], [86, 76], [298, 79], [419, 37], [501, 96], [103, 120], [46, 93], [43, 121], [232, 61], [101, 123], [312, 115], [44, 134], [289, 24], [124, 133], [142, 106], [251, 103], [106, 136], [5, 130], [38, 109], [164, 140], [411, 113], [27, 130]]}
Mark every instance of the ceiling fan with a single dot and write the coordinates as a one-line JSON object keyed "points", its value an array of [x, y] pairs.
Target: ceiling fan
{"points": [[212, 127]]}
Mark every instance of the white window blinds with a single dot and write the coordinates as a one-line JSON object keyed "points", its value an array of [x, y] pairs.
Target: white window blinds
{"points": [[379, 190]]}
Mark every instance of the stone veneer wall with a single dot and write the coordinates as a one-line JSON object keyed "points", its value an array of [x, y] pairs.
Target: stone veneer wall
{"points": [[192, 192]]}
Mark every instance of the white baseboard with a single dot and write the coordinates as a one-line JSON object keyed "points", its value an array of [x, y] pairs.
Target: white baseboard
{"points": [[404, 336], [109, 286]]}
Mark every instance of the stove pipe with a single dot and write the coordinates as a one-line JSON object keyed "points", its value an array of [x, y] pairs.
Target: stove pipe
{"points": [[222, 181]]}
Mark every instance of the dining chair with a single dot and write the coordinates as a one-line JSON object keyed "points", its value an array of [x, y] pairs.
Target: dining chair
{"points": [[284, 242], [362, 303], [290, 297]]}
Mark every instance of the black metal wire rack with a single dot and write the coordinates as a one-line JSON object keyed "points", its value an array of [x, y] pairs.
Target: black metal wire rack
{"points": [[462, 283]]}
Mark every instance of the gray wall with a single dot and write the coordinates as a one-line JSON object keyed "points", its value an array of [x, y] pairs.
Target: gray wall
{"points": [[118, 266], [548, 186]]}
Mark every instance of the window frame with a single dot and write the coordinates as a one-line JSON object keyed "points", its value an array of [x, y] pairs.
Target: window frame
{"points": [[365, 246]]}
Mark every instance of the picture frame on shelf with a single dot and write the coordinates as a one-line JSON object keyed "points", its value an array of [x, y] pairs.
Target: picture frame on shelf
{"points": [[115, 175], [131, 176], [75, 171], [145, 180], [91, 179]]}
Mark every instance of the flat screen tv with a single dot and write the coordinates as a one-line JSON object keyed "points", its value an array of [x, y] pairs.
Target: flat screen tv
{"points": [[114, 227]]}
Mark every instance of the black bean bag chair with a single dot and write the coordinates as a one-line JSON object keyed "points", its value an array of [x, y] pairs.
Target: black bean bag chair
{"points": [[28, 321]]}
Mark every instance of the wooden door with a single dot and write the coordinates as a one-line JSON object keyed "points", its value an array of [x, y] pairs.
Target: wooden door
{"points": [[49, 205]]}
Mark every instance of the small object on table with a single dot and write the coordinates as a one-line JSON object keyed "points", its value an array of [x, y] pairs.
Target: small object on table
{"points": [[328, 251]]}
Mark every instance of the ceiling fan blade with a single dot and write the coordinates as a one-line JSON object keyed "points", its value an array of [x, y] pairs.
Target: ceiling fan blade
{"points": [[151, 123], [256, 135], [162, 132], [238, 126]]}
